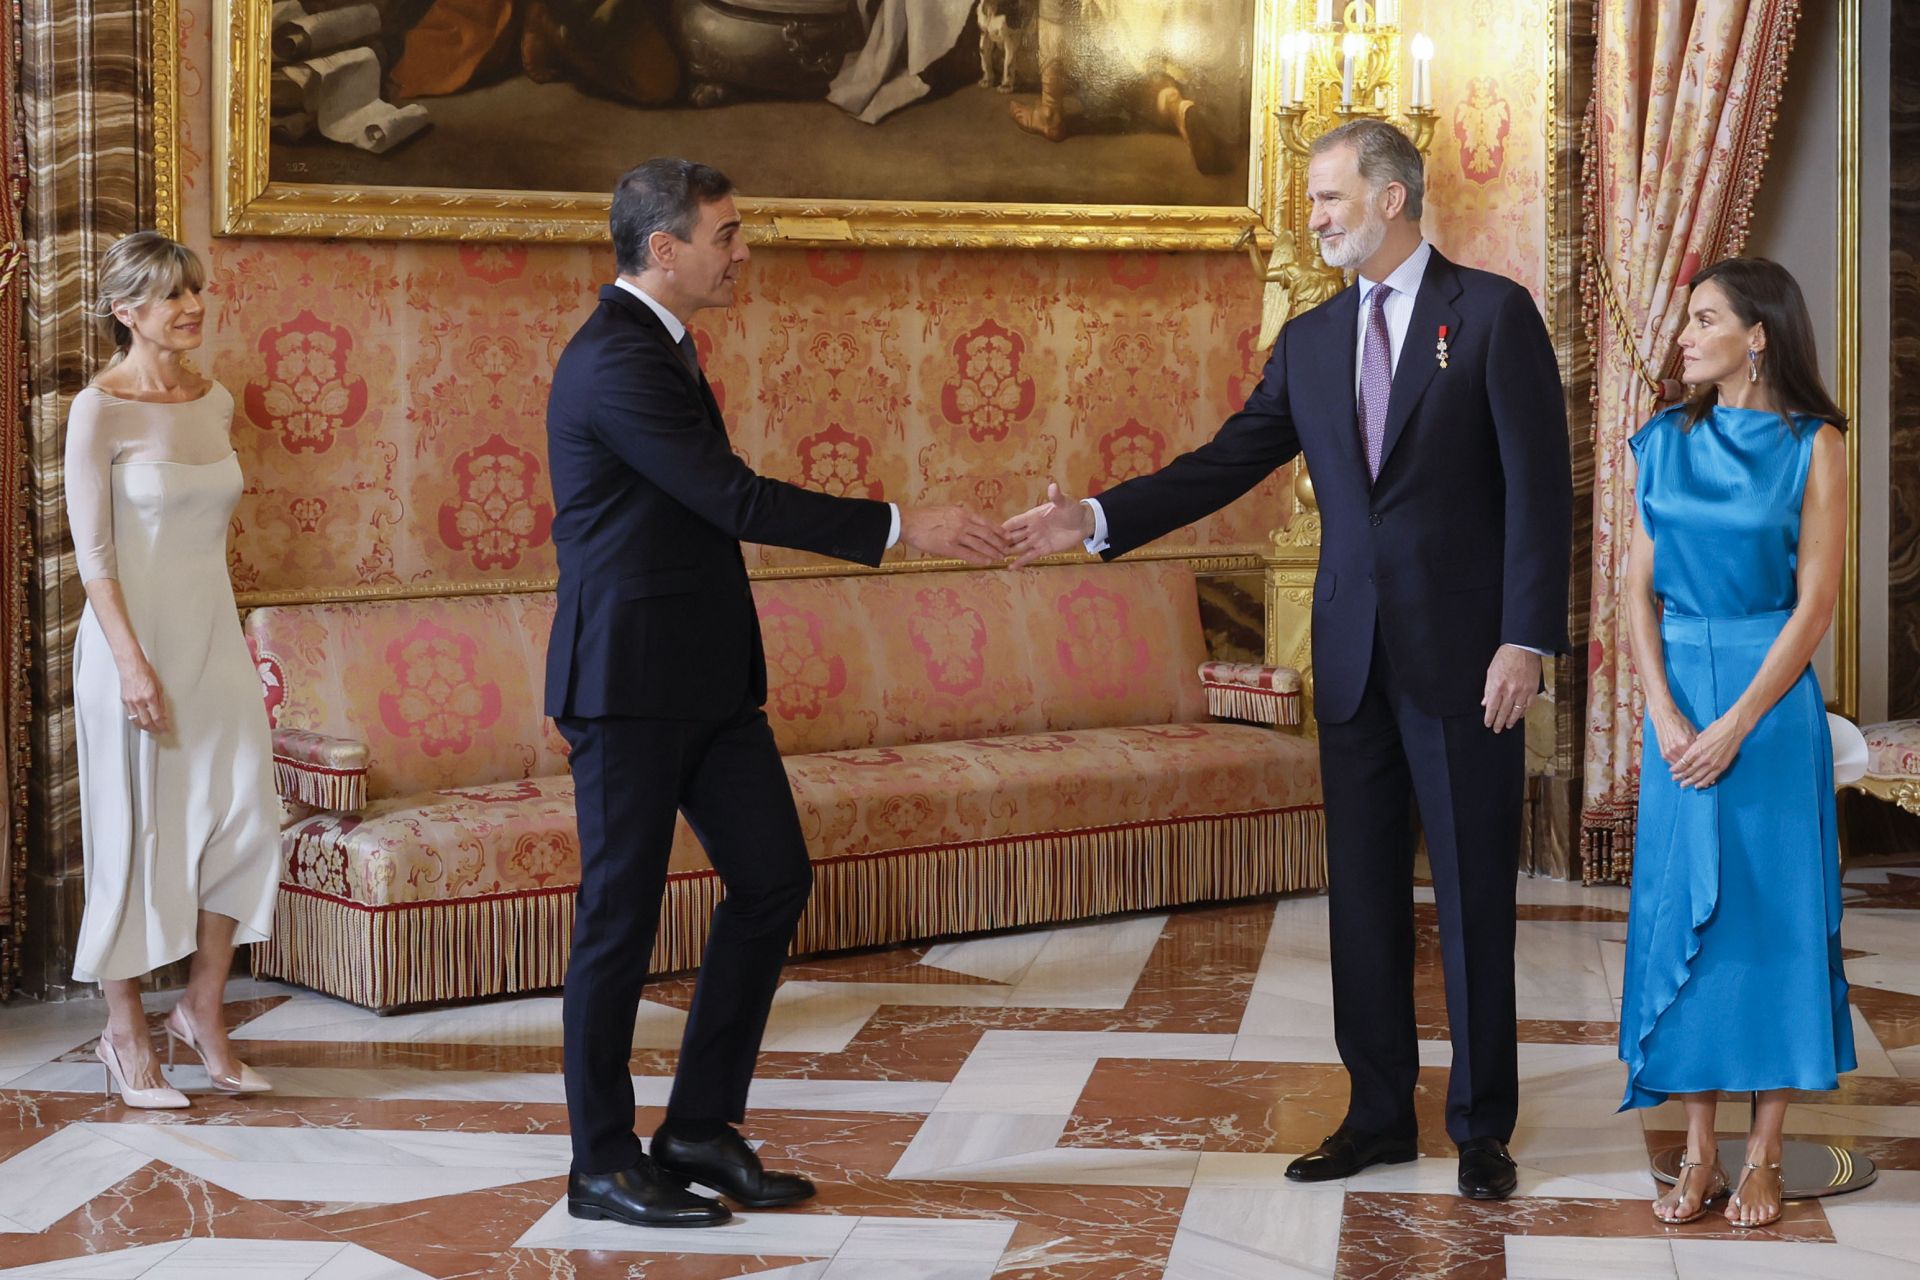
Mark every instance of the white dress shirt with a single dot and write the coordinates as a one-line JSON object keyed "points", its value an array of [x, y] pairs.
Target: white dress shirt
{"points": [[677, 331]]}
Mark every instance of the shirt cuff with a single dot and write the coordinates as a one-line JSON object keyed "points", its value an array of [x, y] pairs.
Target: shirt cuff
{"points": [[1530, 649], [1098, 542], [893, 530]]}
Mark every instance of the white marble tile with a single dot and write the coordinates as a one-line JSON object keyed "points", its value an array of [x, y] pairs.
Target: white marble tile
{"points": [[963, 1140], [1867, 1049], [1888, 934], [1906, 1061], [1883, 1218], [1003, 958], [1275, 1228], [119, 1264], [354, 1166], [1559, 971], [1784, 1260], [1587, 1258], [1078, 1167], [770, 1235], [1090, 966], [1543, 891], [236, 1259], [409, 1084], [916, 1249], [1886, 973], [532, 1021], [64, 1170], [1603, 1163]]}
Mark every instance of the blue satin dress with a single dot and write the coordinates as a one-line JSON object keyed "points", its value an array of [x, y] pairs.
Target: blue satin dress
{"points": [[1733, 973]]}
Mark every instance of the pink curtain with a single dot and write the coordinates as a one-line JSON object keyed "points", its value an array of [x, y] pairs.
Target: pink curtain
{"points": [[1683, 106]]}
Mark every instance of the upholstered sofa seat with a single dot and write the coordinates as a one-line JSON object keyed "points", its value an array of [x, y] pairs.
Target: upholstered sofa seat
{"points": [[967, 751]]}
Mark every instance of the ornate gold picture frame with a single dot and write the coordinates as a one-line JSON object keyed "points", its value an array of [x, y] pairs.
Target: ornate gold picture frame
{"points": [[1173, 154]]}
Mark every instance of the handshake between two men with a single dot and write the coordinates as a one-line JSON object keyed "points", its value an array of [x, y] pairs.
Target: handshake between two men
{"points": [[1059, 524]]}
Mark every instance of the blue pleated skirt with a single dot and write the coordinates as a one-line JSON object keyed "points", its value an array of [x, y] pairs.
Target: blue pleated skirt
{"points": [[1733, 976]]}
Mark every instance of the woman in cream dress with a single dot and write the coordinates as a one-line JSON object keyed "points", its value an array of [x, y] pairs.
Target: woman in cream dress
{"points": [[177, 809]]}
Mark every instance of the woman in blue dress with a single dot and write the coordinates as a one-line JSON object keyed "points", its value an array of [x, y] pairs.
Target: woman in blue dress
{"points": [[1733, 977]]}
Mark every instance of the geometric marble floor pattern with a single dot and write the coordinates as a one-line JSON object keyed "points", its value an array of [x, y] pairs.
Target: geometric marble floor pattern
{"points": [[1116, 1099]]}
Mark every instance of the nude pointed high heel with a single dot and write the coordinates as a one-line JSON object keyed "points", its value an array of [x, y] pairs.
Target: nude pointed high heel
{"points": [[248, 1081], [164, 1098]]}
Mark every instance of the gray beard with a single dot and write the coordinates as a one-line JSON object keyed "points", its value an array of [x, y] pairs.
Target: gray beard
{"points": [[1361, 243]]}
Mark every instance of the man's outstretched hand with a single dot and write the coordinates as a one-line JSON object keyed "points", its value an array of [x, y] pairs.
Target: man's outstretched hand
{"points": [[956, 532], [1058, 524]]}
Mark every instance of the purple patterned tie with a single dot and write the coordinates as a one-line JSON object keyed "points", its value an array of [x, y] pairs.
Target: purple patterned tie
{"points": [[1376, 379]]}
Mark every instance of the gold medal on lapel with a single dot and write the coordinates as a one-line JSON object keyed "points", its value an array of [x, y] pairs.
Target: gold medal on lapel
{"points": [[1440, 347]]}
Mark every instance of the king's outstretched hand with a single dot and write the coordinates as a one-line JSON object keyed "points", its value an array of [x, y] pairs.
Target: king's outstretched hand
{"points": [[1059, 524]]}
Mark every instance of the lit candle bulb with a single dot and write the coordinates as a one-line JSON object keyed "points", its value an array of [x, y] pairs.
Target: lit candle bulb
{"points": [[1422, 71], [1351, 50]]}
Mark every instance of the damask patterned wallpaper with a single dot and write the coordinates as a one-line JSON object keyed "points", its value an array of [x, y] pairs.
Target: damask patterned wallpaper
{"points": [[391, 396]]}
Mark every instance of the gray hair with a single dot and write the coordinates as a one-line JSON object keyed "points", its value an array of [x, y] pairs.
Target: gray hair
{"points": [[662, 194], [1385, 155], [138, 269]]}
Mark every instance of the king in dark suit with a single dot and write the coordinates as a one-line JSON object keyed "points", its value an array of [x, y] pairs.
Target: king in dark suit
{"points": [[1429, 406], [656, 677]]}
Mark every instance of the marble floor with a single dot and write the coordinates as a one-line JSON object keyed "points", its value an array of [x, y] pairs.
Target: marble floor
{"points": [[1109, 1100]]}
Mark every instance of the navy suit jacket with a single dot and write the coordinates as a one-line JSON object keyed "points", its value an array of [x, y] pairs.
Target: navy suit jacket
{"points": [[655, 615], [1461, 545]]}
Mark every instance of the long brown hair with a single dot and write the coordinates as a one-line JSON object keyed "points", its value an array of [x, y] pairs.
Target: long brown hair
{"points": [[1760, 291]]}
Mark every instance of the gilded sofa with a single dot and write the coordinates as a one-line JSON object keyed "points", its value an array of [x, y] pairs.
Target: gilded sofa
{"points": [[969, 750], [1893, 763]]}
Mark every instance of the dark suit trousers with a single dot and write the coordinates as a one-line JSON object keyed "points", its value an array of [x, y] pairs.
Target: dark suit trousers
{"points": [[1468, 782], [631, 776]]}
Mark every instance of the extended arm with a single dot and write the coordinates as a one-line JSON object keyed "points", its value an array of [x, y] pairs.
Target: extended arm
{"points": [[1249, 446]]}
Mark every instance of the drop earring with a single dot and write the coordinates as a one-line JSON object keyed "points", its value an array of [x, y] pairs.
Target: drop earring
{"points": [[1753, 364]]}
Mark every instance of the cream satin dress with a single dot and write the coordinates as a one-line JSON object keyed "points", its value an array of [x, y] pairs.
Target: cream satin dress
{"points": [[186, 821]]}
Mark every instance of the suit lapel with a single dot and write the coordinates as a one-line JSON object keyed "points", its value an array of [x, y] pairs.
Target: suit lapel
{"points": [[1419, 354], [647, 320]]}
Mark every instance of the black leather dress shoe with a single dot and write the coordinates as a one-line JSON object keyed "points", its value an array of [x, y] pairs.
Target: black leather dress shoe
{"points": [[1487, 1172], [728, 1165], [1346, 1152], [641, 1197]]}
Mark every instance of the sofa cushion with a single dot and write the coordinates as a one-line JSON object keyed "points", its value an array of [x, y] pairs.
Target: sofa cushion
{"points": [[444, 692], [519, 837], [1893, 749], [882, 660]]}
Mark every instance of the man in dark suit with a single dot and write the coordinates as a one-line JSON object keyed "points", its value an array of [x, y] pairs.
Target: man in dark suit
{"points": [[1429, 406], [656, 677]]}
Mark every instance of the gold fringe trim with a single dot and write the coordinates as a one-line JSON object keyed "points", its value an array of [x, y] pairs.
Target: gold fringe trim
{"points": [[1262, 706], [343, 790], [393, 957]]}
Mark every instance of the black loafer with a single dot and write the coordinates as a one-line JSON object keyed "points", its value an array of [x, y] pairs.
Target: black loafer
{"points": [[641, 1197], [728, 1165], [1487, 1172], [1346, 1152]]}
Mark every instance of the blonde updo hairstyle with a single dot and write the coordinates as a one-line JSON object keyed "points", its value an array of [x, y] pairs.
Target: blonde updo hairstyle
{"points": [[142, 268]]}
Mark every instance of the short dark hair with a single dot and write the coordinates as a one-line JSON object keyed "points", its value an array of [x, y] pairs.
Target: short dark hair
{"points": [[1761, 291], [1385, 155], [662, 194]]}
